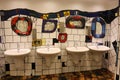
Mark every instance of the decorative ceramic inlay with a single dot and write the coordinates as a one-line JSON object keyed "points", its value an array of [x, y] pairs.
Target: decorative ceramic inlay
{"points": [[49, 26], [21, 25]]}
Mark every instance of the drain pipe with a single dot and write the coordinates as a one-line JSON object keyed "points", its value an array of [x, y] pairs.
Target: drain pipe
{"points": [[118, 43]]}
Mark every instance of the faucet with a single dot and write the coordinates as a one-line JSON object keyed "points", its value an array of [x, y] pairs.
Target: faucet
{"points": [[97, 44], [75, 44], [48, 45], [18, 47]]}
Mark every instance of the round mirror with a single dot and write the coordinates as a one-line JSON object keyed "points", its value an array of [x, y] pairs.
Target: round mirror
{"points": [[75, 22], [98, 27], [21, 25]]}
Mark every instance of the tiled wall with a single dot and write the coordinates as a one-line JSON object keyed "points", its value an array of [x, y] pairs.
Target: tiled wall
{"points": [[34, 64]]}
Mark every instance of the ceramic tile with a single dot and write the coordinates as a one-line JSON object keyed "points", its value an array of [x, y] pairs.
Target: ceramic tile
{"points": [[70, 37], [65, 69], [52, 71], [12, 67], [71, 43], [45, 72], [28, 66], [68, 31], [38, 62], [38, 29], [81, 31], [76, 37], [53, 35], [7, 24], [74, 31], [39, 35], [31, 59], [82, 38], [21, 73], [52, 65], [29, 38], [9, 39], [45, 35], [7, 45], [16, 38], [58, 65], [64, 58], [8, 32], [13, 45], [22, 45], [38, 73], [63, 46], [98, 74], [71, 69], [38, 68], [23, 39], [39, 22], [28, 45], [28, 72], [69, 63], [58, 71], [13, 73]]}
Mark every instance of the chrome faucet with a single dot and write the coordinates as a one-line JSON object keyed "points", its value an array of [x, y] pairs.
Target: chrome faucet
{"points": [[18, 47], [97, 44], [48, 45], [75, 44]]}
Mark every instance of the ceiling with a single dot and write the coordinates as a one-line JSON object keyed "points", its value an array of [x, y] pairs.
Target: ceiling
{"points": [[57, 5]]}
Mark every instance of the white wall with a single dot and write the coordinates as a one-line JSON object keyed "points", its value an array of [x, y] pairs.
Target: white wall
{"points": [[52, 6], [57, 5]]}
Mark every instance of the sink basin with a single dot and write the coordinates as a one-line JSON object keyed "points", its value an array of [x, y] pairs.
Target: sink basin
{"points": [[48, 51], [77, 49], [18, 56], [48, 54], [16, 52], [100, 48], [76, 53]]}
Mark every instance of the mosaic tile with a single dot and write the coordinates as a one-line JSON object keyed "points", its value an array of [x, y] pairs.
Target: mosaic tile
{"points": [[98, 74]]}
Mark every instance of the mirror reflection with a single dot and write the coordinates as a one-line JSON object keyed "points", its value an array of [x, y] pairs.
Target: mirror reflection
{"points": [[98, 28], [22, 25]]}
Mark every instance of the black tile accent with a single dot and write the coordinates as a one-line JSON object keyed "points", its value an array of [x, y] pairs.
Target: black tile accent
{"points": [[0, 39], [59, 57], [117, 77], [62, 78], [58, 30], [100, 43], [7, 67], [55, 41], [88, 38], [106, 55], [63, 64], [33, 65], [115, 45]]}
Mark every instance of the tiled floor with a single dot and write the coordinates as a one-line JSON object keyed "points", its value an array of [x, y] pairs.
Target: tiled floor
{"points": [[99, 74]]}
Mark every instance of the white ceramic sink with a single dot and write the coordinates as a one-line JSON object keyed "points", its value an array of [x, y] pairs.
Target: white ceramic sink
{"points": [[16, 52], [48, 51], [76, 53], [100, 48], [18, 56], [48, 54], [77, 49]]}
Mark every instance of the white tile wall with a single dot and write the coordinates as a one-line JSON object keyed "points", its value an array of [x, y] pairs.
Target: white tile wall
{"points": [[9, 39], [8, 31], [89, 61], [16, 38]]}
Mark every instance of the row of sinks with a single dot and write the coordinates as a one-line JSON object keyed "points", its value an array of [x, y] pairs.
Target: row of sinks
{"points": [[51, 51]]}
